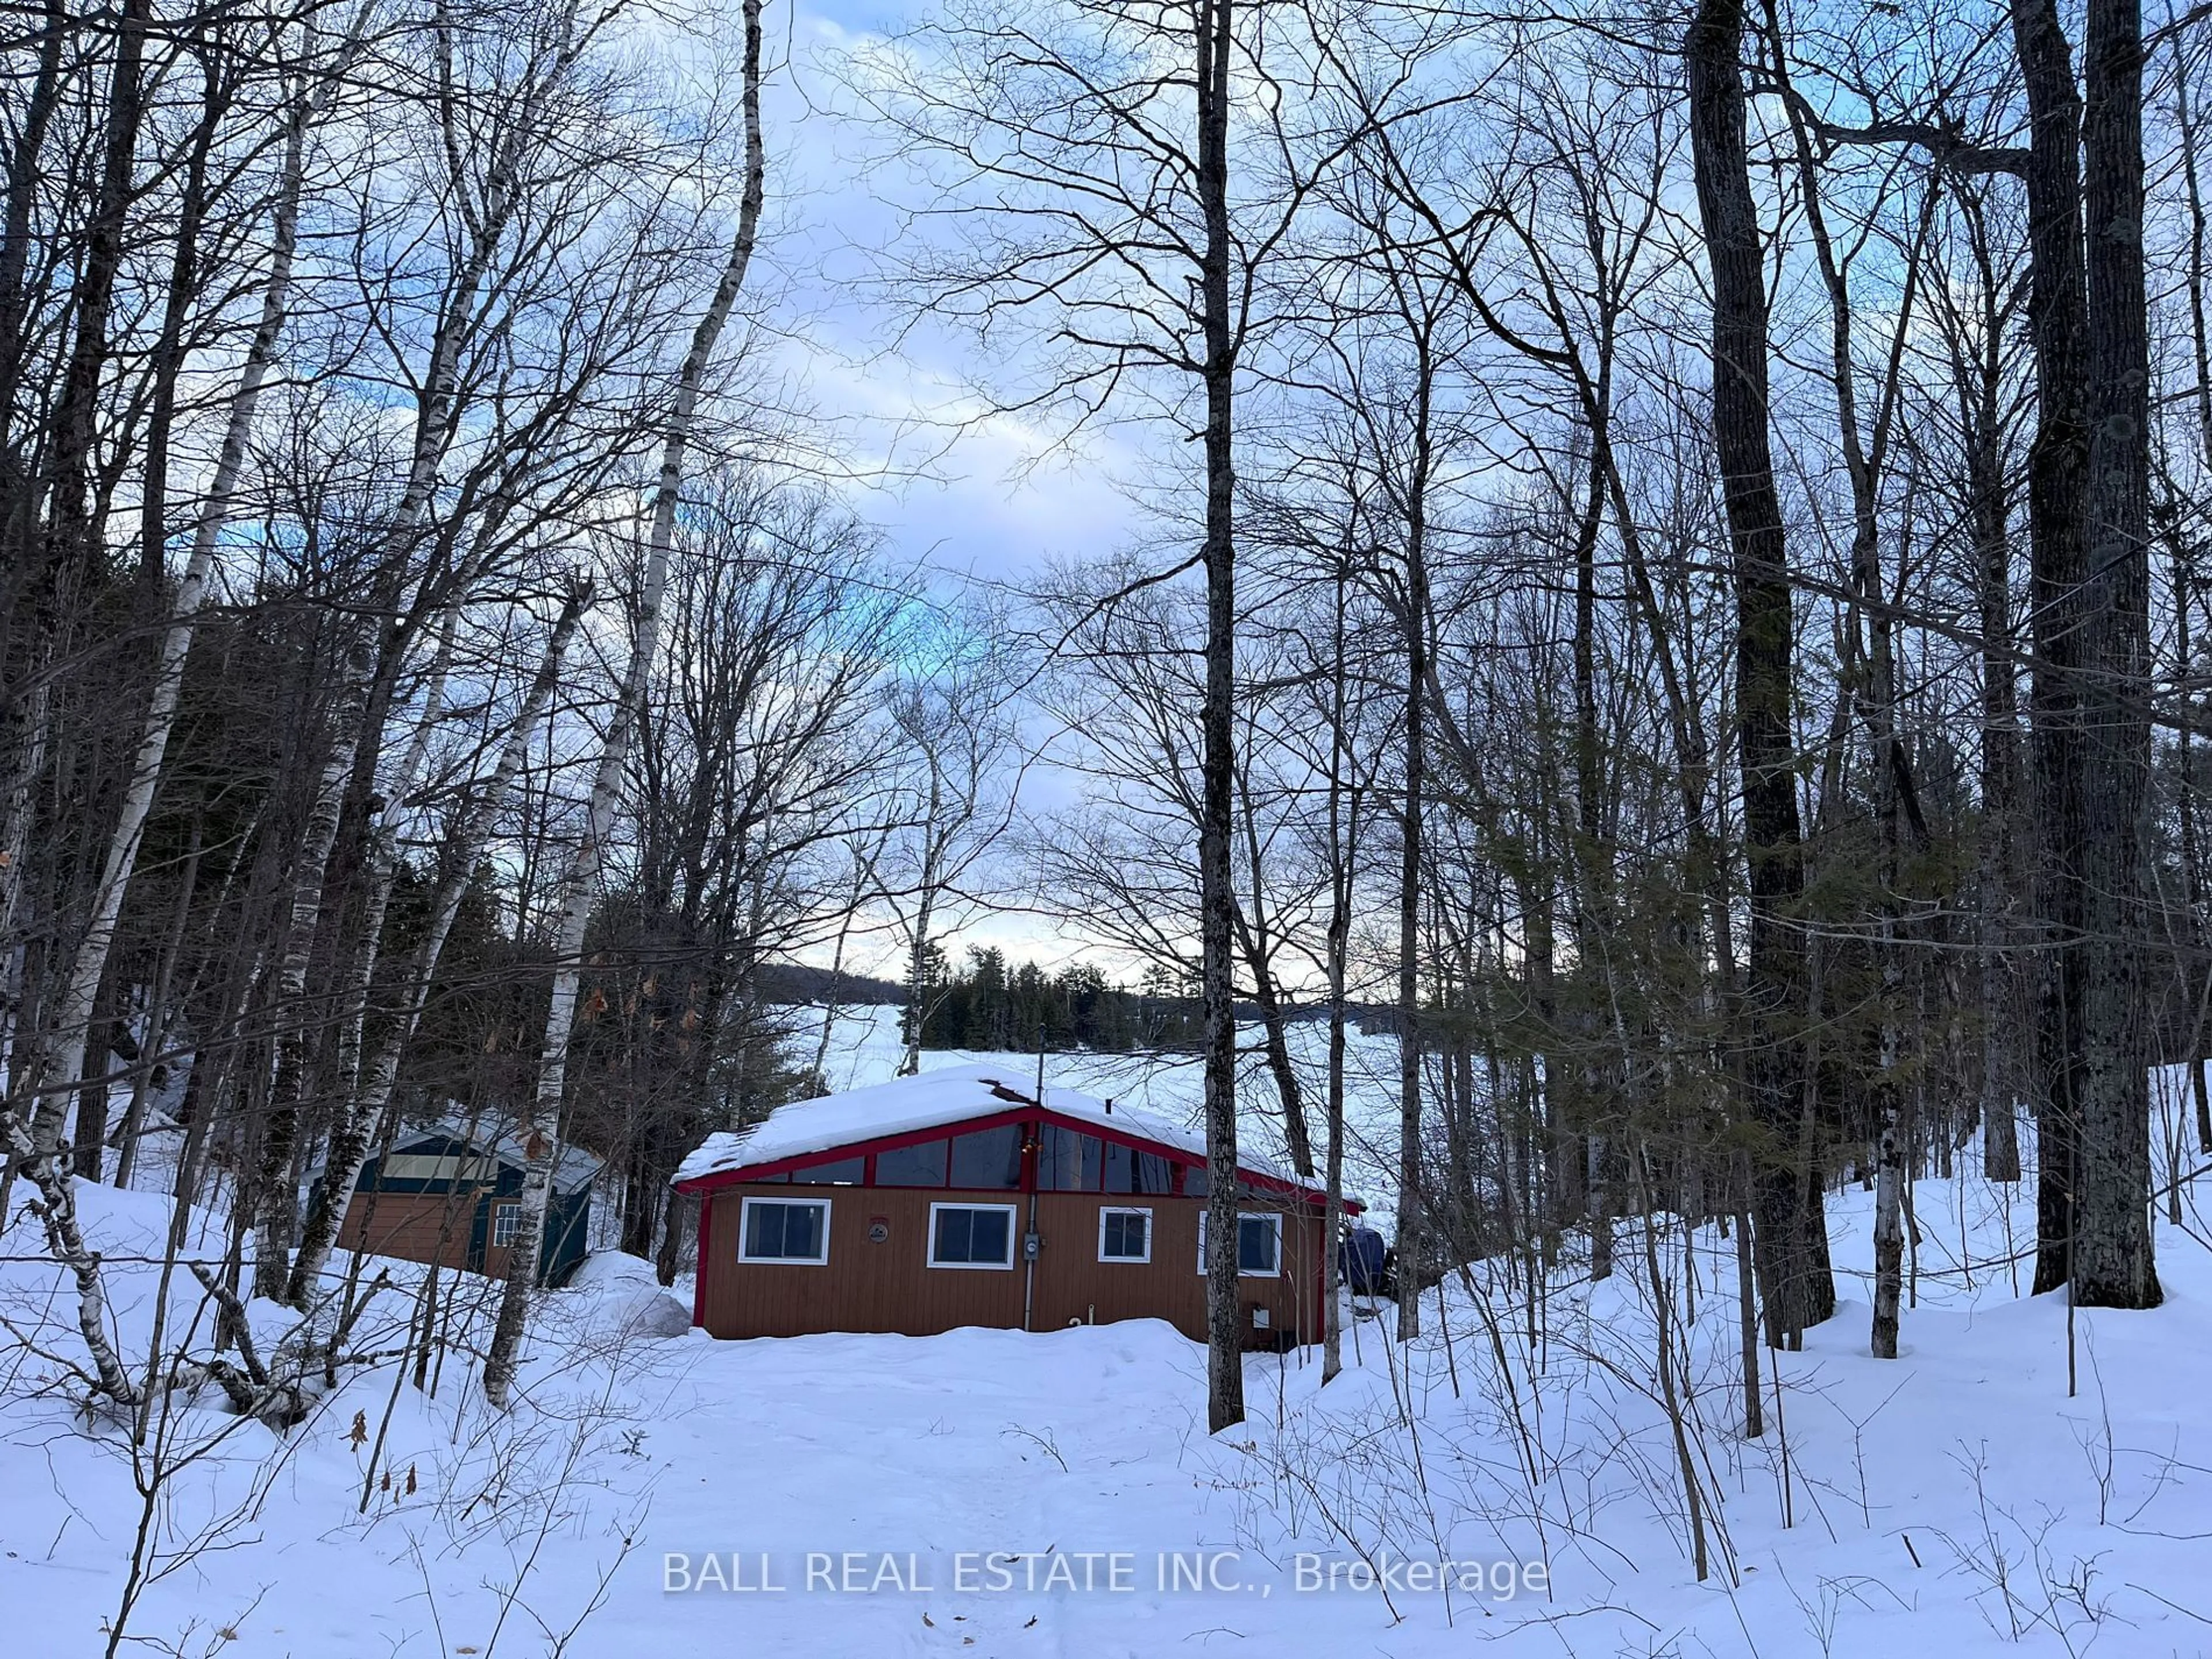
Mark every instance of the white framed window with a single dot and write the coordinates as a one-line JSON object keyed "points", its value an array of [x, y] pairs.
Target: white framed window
{"points": [[787, 1230], [971, 1236], [506, 1222], [1259, 1243], [1125, 1235]]}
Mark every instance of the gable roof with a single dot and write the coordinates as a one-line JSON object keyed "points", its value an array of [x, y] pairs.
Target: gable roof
{"points": [[573, 1169], [940, 1099]]}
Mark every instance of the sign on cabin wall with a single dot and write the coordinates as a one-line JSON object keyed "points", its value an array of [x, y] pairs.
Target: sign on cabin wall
{"points": [[880, 1229]]}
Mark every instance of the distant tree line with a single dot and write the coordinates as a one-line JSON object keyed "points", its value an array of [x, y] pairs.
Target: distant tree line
{"points": [[990, 1004]]}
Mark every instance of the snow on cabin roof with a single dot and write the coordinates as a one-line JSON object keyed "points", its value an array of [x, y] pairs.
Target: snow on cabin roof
{"points": [[573, 1169], [928, 1101]]}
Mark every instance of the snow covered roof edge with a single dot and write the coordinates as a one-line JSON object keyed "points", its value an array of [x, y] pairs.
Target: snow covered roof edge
{"points": [[931, 1100], [573, 1169]]}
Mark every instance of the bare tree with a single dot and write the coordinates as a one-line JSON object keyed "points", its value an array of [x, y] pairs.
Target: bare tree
{"points": [[1793, 1228], [953, 730], [543, 1124], [1111, 197]]}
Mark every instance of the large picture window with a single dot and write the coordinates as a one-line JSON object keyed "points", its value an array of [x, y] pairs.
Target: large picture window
{"points": [[988, 1159], [1259, 1245], [785, 1230], [1067, 1162], [1128, 1170], [971, 1236], [921, 1164], [1125, 1235]]}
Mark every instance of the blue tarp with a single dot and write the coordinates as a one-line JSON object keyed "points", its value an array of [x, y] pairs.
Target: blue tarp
{"points": [[1361, 1260]]}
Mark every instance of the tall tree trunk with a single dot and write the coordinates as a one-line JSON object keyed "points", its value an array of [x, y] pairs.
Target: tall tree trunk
{"points": [[1225, 1323], [2185, 582], [2113, 1265], [1343, 834], [1574, 1105], [275, 1197], [2059, 461], [1888, 1204], [356, 1127], [1747, 1297], [1416, 1225], [1793, 1256], [543, 1129], [1875, 693], [1997, 865], [1411, 1223], [917, 961]]}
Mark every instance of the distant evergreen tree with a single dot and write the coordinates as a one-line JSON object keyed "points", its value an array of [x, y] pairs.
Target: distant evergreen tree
{"points": [[992, 1005]]}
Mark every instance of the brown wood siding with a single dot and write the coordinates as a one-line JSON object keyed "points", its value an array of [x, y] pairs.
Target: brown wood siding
{"points": [[409, 1225], [864, 1286], [1074, 1287], [889, 1286]]}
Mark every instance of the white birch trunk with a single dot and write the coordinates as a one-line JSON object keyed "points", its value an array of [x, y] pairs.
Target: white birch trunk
{"points": [[278, 1201], [435, 424], [57, 1209], [1888, 1208], [383, 861], [72, 1017], [917, 972], [543, 1131], [351, 1140], [37, 1149], [272, 1257]]}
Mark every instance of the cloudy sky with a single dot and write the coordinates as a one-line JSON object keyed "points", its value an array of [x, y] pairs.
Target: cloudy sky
{"points": [[947, 482], [969, 493]]}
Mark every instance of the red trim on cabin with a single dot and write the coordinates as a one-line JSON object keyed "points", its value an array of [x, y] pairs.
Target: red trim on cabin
{"points": [[1084, 1126], [699, 1278], [867, 1149], [861, 1149]]}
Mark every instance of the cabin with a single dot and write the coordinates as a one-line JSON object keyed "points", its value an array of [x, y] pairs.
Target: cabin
{"points": [[960, 1197], [451, 1193]]}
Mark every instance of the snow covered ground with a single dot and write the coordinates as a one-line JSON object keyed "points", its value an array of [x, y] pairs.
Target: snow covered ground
{"points": [[993, 1493]]}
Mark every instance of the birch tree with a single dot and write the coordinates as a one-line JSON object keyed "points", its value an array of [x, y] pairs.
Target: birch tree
{"points": [[542, 1130], [464, 844]]}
